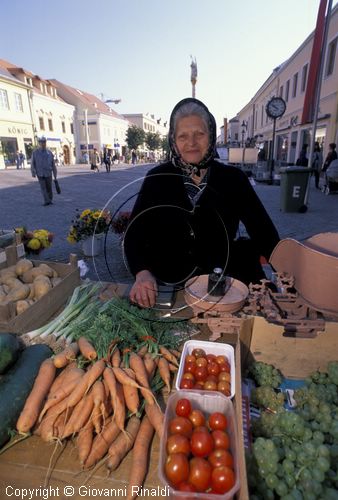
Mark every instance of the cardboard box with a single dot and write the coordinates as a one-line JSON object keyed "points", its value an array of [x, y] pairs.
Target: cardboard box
{"points": [[39, 313]]}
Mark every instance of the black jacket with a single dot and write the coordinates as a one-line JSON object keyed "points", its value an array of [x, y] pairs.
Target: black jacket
{"points": [[174, 240]]}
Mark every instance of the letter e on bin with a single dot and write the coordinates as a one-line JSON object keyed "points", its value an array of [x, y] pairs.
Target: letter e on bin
{"points": [[296, 192]]}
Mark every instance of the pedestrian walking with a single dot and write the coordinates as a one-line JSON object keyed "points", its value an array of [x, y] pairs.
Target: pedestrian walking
{"points": [[303, 160], [331, 155], [133, 157], [20, 159], [43, 167], [95, 160], [317, 163]]}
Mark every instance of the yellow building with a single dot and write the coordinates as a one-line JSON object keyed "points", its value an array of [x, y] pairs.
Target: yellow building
{"points": [[289, 81]]}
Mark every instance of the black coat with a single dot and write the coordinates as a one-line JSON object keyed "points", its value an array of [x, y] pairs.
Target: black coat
{"points": [[174, 240]]}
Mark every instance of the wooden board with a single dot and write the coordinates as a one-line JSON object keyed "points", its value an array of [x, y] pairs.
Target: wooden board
{"points": [[295, 357]]}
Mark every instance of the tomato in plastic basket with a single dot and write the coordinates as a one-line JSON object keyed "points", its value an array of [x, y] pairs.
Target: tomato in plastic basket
{"points": [[190, 367], [224, 388], [224, 377], [211, 358], [180, 425], [177, 443], [201, 444], [197, 418], [217, 420], [200, 473], [185, 486], [222, 479], [183, 407], [198, 353], [221, 439], [202, 362], [210, 385], [186, 384], [201, 373], [177, 468], [221, 360], [220, 457], [213, 368]]}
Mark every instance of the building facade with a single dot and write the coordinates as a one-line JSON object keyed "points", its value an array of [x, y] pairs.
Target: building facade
{"points": [[16, 122], [289, 81]]}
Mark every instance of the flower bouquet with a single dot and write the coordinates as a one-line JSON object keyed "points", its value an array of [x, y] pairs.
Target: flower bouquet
{"points": [[120, 223], [88, 223], [35, 241]]}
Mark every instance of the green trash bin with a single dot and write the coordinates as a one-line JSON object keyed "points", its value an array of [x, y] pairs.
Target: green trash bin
{"points": [[293, 184]]}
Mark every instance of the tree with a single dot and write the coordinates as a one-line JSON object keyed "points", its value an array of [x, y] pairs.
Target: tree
{"points": [[165, 145], [153, 141], [135, 137]]}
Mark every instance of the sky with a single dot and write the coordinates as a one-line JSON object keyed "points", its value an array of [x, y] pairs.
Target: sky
{"points": [[139, 50]]}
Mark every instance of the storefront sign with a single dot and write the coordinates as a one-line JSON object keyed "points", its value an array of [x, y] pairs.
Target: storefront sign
{"points": [[17, 130]]}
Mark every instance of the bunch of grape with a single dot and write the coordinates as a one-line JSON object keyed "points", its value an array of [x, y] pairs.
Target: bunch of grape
{"points": [[266, 397], [265, 374], [300, 447]]}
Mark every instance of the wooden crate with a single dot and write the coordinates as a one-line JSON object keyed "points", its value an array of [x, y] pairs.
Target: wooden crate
{"points": [[10, 254], [43, 309]]}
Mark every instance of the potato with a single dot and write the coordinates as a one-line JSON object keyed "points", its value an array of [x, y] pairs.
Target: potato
{"points": [[8, 271], [18, 293], [21, 306], [3, 300], [47, 271], [6, 288], [22, 266], [55, 281], [31, 291], [41, 285], [55, 274], [12, 282], [2, 291]]}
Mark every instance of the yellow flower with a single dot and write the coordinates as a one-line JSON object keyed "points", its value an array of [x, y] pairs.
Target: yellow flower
{"points": [[97, 214], [45, 242], [85, 212], [40, 233], [71, 239], [20, 230], [34, 244]]}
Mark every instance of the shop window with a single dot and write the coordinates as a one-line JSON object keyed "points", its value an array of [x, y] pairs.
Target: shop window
{"points": [[41, 123], [287, 90], [294, 85], [18, 102], [281, 91], [50, 124], [3, 99], [331, 55], [304, 77], [72, 128], [63, 125]]}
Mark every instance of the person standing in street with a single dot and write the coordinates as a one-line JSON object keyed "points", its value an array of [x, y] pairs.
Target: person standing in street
{"points": [[95, 160], [317, 162], [43, 167], [331, 155]]}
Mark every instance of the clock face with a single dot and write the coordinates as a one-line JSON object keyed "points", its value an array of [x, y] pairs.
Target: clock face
{"points": [[276, 107]]}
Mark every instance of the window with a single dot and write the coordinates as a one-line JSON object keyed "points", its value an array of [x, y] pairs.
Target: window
{"points": [[287, 89], [3, 99], [18, 102], [304, 77], [262, 114], [50, 124], [41, 123], [63, 127], [71, 128], [294, 86], [281, 91], [331, 55]]}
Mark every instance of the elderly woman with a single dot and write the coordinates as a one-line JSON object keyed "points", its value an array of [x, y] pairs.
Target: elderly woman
{"points": [[187, 213]]}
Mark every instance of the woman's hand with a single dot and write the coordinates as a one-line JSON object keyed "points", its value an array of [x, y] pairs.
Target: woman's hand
{"points": [[144, 290]]}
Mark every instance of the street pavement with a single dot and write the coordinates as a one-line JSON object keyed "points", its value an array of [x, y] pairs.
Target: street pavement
{"points": [[21, 205]]}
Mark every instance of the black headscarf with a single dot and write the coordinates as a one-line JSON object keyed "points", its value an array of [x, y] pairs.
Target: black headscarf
{"points": [[174, 155]]}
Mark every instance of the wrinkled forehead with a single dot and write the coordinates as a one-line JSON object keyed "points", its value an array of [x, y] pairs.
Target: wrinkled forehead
{"points": [[190, 122]]}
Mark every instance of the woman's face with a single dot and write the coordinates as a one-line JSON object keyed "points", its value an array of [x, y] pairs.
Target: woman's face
{"points": [[192, 139]]}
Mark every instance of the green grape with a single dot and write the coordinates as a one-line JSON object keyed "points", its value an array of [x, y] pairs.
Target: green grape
{"points": [[323, 464], [318, 475], [305, 475], [271, 481], [334, 450], [290, 480], [318, 437], [329, 494], [296, 494], [310, 449], [323, 451], [290, 455], [281, 488], [288, 466], [307, 434]]}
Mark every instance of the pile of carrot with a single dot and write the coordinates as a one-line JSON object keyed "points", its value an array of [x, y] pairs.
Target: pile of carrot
{"points": [[108, 406]]}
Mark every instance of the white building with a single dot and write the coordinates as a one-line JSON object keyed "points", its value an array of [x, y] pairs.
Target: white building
{"points": [[16, 126], [96, 124], [50, 116]]}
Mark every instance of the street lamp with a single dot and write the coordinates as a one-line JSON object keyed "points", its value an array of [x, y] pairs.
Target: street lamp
{"points": [[244, 127]]}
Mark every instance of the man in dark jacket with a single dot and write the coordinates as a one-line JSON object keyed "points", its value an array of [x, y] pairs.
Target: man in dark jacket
{"points": [[43, 167], [187, 214]]}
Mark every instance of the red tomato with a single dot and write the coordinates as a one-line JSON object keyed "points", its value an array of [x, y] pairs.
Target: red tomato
{"points": [[217, 421], [201, 373], [183, 407], [222, 479], [211, 358], [199, 386], [186, 384], [213, 378], [190, 359], [185, 486], [224, 388], [201, 444], [197, 418], [177, 443], [221, 360], [190, 368], [224, 377], [220, 457], [224, 367], [202, 428], [180, 425], [221, 439], [198, 353], [200, 473], [209, 385], [189, 376], [213, 369], [177, 468], [201, 362]]}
